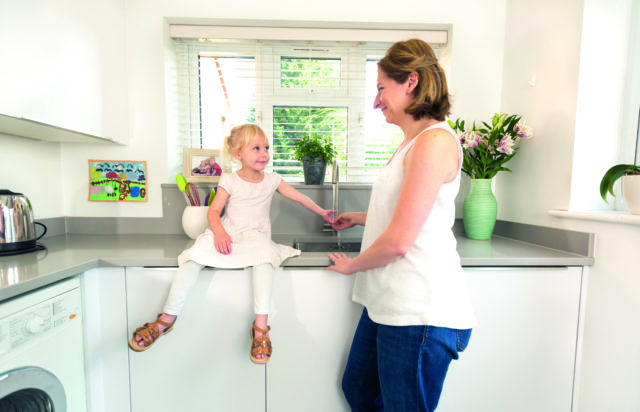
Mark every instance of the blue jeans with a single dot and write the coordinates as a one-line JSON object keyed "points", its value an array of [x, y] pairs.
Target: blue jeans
{"points": [[399, 368]]}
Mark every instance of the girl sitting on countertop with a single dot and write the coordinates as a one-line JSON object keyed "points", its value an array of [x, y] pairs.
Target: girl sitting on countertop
{"points": [[240, 238]]}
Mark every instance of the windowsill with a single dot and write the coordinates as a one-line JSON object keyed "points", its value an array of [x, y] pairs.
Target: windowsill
{"points": [[599, 216]]}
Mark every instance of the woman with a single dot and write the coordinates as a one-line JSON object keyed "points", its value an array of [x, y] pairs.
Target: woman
{"points": [[417, 310]]}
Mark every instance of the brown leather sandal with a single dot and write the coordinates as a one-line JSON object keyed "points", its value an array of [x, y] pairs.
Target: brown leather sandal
{"points": [[260, 345], [149, 333]]}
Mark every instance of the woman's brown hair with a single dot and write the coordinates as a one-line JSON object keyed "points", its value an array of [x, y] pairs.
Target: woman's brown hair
{"points": [[431, 95]]}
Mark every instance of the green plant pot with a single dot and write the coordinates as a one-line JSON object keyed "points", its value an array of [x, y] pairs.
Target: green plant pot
{"points": [[314, 170], [479, 210]]}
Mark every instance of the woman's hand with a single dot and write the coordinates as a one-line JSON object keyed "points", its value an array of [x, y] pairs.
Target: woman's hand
{"points": [[347, 220], [341, 263], [222, 242]]}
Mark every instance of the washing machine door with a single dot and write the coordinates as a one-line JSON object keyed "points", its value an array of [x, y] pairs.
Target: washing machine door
{"points": [[31, 389]]}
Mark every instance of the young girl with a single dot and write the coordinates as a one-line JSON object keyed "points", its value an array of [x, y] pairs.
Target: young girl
{"points": [[241, 238]]}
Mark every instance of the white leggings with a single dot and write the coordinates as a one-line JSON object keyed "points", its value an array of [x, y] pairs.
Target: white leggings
{"points": [[187, 274]]}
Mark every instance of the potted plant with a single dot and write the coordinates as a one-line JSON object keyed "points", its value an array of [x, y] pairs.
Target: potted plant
{"points": [[486, 148], [630, 175], [314, 152]]}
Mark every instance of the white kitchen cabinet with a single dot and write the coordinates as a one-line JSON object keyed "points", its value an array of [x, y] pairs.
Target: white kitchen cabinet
{"points": [[105, 329], [63, 66], [203, 364], [312, 329], [524, 351], [523, 355]]}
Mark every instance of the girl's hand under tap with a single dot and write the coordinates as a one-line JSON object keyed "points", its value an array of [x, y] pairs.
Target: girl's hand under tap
{"points": [[327, 215]]}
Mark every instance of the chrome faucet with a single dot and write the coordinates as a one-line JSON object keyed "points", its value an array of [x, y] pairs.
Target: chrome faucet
{"points": [[335, 185]]}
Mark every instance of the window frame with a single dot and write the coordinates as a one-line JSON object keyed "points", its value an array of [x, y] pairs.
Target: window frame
{"points": [[280, 52], [355, 146]]}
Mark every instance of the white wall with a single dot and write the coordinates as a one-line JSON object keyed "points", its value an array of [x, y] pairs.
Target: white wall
{"points": [[542, 39], [33, 167], [601, 95], [545, 38], [476, 92], [610, 375]]}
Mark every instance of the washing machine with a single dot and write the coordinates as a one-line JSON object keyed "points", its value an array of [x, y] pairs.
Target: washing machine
{"points": [[42, 351]]}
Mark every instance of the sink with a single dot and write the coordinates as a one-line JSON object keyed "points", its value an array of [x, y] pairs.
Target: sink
{"points": [[327, 244]]}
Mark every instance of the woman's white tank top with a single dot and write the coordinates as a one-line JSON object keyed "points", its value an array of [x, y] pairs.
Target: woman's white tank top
{"points": [[426, 286]]}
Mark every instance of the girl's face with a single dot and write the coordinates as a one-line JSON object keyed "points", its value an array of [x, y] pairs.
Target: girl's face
{"points": [[254, 154], [392, 98]]}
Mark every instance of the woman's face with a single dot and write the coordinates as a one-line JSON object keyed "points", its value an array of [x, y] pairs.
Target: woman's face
{"points": [[392, 98]]}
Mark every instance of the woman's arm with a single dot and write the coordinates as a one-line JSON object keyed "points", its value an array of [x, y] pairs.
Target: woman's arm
{"points": [[349, 219], [289, 192], [221, 239], [432, 161]]}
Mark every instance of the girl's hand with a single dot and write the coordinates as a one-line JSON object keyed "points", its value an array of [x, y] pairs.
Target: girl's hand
{"points": [[222, 243], [344, 221], [341, 263], [327, 215]]}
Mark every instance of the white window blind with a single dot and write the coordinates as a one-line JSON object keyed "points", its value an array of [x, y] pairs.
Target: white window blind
{"points": [[289, 88]]}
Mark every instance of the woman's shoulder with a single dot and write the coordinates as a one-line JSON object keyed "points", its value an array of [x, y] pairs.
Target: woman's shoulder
{"points": [[439, 132], [441, 128], [435, 141]]}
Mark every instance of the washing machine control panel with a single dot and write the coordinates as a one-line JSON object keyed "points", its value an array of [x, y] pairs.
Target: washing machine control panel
{"points": [[38, 320]]}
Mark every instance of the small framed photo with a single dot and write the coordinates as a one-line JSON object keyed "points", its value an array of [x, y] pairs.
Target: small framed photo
{"points": [[202, 165]]}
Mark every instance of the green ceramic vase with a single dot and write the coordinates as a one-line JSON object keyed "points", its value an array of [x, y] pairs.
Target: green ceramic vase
{"points": [[479, 210]]}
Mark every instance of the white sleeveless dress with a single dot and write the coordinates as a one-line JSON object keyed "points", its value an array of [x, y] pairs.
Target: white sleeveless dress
{"points": [[426, 286], [246, 220]]}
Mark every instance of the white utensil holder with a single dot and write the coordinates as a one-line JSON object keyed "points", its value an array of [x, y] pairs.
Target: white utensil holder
{"points": [[194, 220]]}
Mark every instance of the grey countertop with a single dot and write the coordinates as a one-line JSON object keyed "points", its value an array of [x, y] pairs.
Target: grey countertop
{"points": [[71, 254]]}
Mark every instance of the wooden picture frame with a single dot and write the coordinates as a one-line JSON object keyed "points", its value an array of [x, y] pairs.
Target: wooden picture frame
{"points": [[195, 171]]}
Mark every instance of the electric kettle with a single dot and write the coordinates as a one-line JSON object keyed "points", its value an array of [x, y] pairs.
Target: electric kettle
{"points": [[17, 227]]}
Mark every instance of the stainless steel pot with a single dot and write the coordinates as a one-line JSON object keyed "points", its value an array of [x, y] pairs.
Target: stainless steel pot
{"points": [[17, 227]]}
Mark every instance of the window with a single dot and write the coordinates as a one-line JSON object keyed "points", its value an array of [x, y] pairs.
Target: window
{"points": [[290, 89]]}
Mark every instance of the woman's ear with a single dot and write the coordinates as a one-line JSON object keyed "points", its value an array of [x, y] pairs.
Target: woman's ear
{"points": [[412, 82]]}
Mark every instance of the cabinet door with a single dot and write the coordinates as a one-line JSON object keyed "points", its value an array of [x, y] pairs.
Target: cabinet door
{"points": [[203, 364], [312, 328], [105, 337], [522, 353], [64, 65]]}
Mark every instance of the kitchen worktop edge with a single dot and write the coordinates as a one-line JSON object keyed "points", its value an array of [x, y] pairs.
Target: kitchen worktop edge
{"points": [[71, 254]]}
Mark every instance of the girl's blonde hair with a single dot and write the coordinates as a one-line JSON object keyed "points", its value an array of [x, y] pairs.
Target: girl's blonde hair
{"points": [[240, 136]]}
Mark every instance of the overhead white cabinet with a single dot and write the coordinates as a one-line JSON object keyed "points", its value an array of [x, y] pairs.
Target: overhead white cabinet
{"points": [[63, 74]]}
